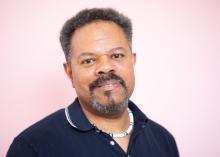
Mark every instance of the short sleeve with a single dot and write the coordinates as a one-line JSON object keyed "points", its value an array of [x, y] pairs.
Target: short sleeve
{"points": [[173, 145], [20, 148]]}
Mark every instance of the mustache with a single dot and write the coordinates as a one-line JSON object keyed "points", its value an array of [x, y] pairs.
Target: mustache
{"points": [[106, 77]]}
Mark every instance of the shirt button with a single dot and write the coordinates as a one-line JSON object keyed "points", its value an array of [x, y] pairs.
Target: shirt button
{"points": [[112, 143]]}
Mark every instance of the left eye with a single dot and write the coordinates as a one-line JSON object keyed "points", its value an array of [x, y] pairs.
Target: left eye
{"points": [[117, 56]]}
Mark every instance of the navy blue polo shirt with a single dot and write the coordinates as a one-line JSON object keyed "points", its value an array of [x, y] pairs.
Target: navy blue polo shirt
{"points": [[70, 134]]}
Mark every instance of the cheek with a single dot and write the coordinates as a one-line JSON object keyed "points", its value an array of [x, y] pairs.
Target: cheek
{"points": [[82, 78], [127, 73], [130, 82]]}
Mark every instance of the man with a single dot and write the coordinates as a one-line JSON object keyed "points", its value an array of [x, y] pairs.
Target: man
{"points": [[102, 121]]}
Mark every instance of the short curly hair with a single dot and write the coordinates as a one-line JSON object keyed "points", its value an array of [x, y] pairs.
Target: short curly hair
{"points": [[87, 16]]}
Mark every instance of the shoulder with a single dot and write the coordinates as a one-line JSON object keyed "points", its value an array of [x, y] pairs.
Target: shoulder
{"points": [[28, 141], [45, 125], [162, 137], [158, 129], [44, 130]]}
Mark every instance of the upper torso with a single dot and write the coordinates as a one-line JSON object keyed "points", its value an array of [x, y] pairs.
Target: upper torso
{"points": [[54, 136]]}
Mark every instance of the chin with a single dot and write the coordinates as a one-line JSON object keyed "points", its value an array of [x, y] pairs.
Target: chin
{"points": [[113, 107]]}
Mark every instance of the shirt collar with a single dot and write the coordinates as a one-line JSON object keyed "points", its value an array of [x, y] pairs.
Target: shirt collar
{"points": [[78, 120], [76, 117], [139, 116]]}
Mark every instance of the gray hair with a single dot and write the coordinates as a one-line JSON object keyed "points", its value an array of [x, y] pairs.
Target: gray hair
{"points": [[87, 16]]}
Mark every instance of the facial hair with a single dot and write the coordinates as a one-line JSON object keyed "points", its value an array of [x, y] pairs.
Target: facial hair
{"points": [[113, 108]]}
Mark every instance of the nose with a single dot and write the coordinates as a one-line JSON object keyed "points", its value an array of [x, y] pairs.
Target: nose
{"points": [[104, 66]]}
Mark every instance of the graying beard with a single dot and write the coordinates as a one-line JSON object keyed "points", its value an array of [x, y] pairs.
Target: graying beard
{"points": [[112, 108]]}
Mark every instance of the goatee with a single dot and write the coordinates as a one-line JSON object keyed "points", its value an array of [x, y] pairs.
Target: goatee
{"points": [[113, 108]]}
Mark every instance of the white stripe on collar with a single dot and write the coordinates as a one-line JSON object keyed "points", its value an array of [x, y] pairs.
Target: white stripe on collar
{"points": [[68, 117]]}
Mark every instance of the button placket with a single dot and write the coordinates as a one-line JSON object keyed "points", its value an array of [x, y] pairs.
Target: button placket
{"points": [[112, 143]]}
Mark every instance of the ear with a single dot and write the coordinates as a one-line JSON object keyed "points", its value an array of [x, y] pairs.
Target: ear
{"points": [[133, 59], [68, 70]]}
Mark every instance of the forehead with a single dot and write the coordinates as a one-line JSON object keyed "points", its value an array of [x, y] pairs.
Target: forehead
{"points": [[97, 37]]}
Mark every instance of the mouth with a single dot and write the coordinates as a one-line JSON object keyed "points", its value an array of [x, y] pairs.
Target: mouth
{"points": [[109, 85]]}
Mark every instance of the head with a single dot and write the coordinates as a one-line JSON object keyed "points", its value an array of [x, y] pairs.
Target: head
{"points": [[87, 16], [99, 59]]}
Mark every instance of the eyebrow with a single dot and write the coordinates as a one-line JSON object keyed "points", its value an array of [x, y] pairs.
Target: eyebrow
{"points": [[117, 48], [86, 54], [92, 54]]}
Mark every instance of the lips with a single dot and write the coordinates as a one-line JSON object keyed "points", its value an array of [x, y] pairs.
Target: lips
{"points": [[109, 85], [107, 82]]}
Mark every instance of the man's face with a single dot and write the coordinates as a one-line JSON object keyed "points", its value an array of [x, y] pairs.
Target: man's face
{"points": [[102, 68]]}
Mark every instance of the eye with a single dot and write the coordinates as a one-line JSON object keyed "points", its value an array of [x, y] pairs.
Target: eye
{"points": [[117, 56], [88, 61]]}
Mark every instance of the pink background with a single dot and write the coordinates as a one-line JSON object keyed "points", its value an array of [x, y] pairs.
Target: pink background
{"points": [[177, 71]]}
